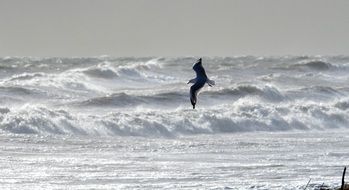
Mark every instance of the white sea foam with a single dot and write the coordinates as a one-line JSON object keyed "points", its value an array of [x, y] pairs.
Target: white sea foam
{"points": [[243, 115], [259, 161], [127, 123], [149, 96]]}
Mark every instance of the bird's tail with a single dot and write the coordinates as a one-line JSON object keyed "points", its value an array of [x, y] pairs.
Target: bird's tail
{"points": [[193, 102], [210, 82]]}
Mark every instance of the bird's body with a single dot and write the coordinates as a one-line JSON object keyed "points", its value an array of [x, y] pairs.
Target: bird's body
{"points": [[199, 82]]}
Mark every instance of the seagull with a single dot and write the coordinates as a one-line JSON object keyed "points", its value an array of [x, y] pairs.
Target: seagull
{"points": [[199, 82]]}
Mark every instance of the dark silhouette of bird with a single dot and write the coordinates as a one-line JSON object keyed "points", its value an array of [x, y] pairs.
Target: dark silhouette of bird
{"points": [[199, 82]]}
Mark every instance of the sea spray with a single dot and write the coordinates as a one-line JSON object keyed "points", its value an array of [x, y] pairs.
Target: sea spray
{"points": [[149, 97]]}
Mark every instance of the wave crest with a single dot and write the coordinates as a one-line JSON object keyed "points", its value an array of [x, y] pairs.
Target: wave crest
{"points": [[101, 71], [242, 116], [266, 92], [316, 65]]}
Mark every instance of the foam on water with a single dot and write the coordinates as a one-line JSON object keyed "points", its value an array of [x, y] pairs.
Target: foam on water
{"points": [[149, 96], [130, 118], [259, 161], [89, 123]]}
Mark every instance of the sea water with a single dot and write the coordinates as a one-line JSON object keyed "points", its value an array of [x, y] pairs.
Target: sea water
{"points": [[127, 123]]}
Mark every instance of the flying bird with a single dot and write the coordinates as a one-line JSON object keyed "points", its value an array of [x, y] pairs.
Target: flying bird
{"points": [[199, 82]]}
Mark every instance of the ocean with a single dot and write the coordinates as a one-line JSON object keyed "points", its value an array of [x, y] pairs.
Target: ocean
{"points": [[127, 123]]}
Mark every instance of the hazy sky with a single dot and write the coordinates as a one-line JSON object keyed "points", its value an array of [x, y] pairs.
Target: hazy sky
{"points": [[173, 27]]}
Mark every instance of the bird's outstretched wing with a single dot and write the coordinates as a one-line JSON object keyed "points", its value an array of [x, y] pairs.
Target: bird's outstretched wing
{"points": [[199, 69]]}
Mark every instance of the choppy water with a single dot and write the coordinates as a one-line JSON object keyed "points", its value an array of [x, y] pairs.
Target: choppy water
{"points": [[149, 96], [239, 161], [127, 123]]}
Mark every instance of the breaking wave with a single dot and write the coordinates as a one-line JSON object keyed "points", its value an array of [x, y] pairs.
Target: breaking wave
{"points": [[149, 96], [241, 116]]}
